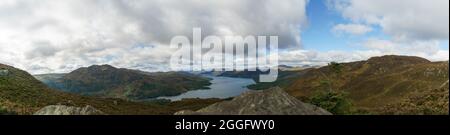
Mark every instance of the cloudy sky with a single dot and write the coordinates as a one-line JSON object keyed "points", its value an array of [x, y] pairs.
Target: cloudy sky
{"points": [[43, 36]]}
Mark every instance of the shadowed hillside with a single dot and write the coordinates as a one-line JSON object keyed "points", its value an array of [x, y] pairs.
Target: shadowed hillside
{"points": [[111, 82]]}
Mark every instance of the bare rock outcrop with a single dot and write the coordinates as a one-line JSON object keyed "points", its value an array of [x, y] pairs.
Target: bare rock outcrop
{"points": [[273, 101], [68, 110]]}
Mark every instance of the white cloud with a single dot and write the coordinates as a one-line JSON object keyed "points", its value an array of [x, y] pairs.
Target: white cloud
{"points": [[404, 20], [354, 29], [412, 27], [61, 35], [321, 58]]}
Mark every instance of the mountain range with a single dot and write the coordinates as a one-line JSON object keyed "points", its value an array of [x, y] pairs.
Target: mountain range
{"points": [[108, 81]]}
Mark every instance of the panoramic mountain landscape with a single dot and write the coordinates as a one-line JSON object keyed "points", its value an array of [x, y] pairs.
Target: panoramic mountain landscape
{"points": [[188, 57], [379, 85], [21, 93], [224, 66]]}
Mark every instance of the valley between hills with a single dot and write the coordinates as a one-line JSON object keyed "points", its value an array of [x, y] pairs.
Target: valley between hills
{"points": [[399, 85]]}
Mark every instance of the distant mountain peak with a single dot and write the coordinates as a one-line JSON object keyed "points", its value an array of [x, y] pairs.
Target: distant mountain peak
{"points": [[102, 67], [398, 59], [112, 82], [285, 66]]}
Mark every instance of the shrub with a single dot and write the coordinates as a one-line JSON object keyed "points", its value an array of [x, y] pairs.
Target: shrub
{"points": [[3, 111], [336, 67], [337, 103]]}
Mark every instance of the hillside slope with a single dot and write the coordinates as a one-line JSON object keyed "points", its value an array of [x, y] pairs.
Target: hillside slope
{"points": [[371, 84], [430, 102]]}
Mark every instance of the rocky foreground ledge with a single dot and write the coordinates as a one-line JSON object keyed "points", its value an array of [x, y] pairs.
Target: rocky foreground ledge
{"points": [[68, 110], [273, 101]]}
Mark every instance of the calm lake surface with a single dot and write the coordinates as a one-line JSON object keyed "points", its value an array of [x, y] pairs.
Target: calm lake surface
{"points": [[221, 87]]}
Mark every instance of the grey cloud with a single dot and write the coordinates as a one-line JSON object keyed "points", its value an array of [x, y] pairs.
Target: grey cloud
{"points": [[41, 49], [83, 32]]}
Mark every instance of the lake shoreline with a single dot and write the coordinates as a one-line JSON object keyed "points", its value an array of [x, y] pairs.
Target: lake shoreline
{"points": [[221, 88]]}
